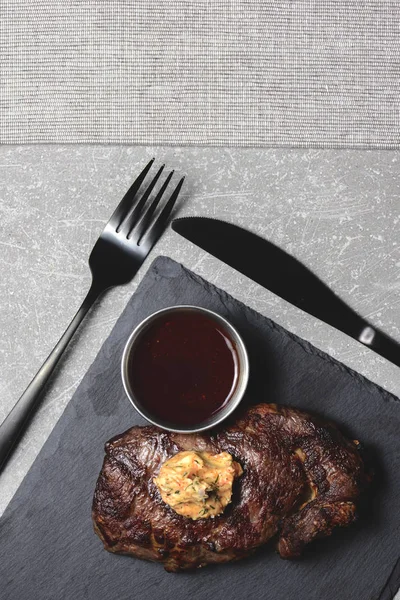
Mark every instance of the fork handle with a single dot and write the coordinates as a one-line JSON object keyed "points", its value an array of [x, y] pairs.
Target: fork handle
{"points": [[14, 424]]}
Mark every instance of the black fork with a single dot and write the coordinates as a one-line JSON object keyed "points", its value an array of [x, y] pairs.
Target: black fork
{"points": [[116, 257]]}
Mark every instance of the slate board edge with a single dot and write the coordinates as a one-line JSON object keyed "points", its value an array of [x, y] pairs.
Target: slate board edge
{"points": [[392, 585]]}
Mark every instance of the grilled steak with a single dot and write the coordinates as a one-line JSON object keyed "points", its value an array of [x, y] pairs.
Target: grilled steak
{"points": [[301, 479]]}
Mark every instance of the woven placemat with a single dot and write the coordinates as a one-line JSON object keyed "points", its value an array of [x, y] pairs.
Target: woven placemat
{"points": [[321, 73]]}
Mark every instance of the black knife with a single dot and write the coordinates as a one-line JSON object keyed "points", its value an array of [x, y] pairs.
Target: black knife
{"points": [[285, 276]]}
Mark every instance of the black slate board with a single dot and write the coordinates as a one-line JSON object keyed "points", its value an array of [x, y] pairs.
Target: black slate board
{"points": [[48, 550]]}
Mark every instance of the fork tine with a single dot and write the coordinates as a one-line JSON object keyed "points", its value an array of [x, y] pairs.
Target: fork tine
{"points": [[138, 231], [150, 238], [130, 220], [126, 203]]}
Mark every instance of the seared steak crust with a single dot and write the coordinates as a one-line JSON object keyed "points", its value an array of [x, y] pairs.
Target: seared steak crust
{"points": [[301, 479]]}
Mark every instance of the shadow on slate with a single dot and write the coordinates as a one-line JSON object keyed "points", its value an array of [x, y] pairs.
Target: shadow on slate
{"points": [[49, 551]]}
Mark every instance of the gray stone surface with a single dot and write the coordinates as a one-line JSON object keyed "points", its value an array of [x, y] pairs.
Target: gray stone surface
{"points": [[336, 210]]}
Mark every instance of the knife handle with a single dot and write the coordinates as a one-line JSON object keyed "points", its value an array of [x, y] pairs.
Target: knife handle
{"points": [[380, 343], [321, 302]]}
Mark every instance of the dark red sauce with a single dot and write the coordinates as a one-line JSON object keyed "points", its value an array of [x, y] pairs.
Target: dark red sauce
{"points": [[184, 368]]}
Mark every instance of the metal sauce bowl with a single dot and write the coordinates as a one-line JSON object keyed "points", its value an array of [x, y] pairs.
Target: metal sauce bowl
{"points": [[242, 374]]}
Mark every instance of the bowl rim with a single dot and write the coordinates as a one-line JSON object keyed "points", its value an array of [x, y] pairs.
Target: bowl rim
{"points": [[243, 361]]}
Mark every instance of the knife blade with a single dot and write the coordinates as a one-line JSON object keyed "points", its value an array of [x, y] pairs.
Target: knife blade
{"points": [[285, 276]]}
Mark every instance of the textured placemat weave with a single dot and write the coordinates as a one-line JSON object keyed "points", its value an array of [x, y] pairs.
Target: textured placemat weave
{"points": [[217, 72]]}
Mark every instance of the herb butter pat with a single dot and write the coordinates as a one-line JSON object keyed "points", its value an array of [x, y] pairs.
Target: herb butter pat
{"points": [[198, 485]]}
